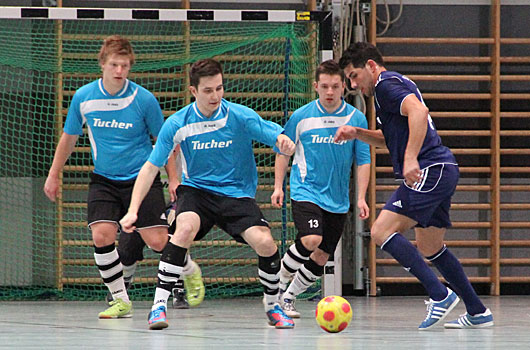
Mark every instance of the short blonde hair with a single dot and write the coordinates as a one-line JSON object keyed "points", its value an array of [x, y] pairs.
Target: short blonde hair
{"points": [[115, 44]]}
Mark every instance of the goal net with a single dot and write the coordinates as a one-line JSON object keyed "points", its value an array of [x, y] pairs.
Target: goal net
{"points": [[46, 249]]}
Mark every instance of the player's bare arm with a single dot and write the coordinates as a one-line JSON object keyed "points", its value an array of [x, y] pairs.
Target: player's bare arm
{"points": [[174, 172], [142, 185], [280, 169], [64, 149], [418, 115], [371, 137], [363, 178], [285, 145]]}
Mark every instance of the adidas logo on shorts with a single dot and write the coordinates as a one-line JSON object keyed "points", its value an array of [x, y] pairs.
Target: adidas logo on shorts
{"points": [[397, 204]]}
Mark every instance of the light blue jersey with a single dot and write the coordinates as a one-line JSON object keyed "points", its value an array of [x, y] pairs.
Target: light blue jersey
{"points": [[119, 126], [321, 168], [216, 152]]}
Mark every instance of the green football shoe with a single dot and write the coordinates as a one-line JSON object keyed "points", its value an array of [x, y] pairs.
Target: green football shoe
{"points": [[194, 287], [118, 309]]}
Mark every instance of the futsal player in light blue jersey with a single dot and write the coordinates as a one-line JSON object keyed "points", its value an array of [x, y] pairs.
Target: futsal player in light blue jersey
{"points": [[319, 180], [430, 175], [218, 187], [120, 117]]}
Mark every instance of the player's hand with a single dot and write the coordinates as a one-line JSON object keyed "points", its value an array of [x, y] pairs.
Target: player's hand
{"points": [[277, 198], [172, 189], [128, 221], [411, 171], [345, 132], [364, 211], [51, 187], [285, 145]]}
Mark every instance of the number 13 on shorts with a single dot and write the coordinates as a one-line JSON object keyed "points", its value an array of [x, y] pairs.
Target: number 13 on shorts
{"points": [[313, 223]]}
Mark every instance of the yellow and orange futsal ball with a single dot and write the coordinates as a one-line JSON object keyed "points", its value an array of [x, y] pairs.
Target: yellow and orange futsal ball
{"points": [[333, 314]]}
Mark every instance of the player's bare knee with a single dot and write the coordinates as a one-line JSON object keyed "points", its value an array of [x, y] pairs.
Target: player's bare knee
{"points": [[380, 231], [428, 248], [266, 246], [377, 234], [155, 237], [185, 230], [158, 245], [320, 257], [102, 240], [263, 243], [311, 242]]}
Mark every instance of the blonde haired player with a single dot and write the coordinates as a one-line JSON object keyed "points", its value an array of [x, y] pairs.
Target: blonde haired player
{"points": [[121, 117]]}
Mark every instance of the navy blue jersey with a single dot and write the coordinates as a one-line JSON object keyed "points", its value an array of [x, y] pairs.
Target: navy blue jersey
{"points": [[391, 90]]}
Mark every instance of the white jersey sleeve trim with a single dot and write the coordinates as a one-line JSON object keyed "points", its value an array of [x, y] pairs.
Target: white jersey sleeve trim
{"points": [[401, 104]]}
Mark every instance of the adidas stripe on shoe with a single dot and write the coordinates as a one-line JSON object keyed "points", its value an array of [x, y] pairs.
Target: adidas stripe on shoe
{"points": [[467, 321], [438, 310]]}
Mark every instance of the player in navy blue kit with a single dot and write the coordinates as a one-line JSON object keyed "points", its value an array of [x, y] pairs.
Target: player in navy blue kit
{"points": [[218, 187], [319, 180], [120, 117], [430, 175]]}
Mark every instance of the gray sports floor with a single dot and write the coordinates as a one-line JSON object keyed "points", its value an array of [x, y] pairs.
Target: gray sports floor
{"points": [[378, 323]]}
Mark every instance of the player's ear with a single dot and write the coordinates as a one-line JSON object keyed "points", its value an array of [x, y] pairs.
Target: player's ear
{"points": [[193, 90], [372, 65], [315, 85]]}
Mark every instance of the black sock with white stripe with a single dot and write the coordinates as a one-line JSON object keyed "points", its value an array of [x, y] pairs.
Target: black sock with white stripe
{"points": [[169, 271], [295, 257], [111, 270], [269, 276], [308, 274]]}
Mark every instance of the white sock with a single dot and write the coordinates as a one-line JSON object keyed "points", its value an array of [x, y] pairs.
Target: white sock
{"points": [[117, 286], [269, 301], [161, 297]]}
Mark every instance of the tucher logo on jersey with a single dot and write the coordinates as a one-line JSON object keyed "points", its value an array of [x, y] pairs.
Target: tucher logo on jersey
{"points": [[111, 124], [325, 139], [210, 144]]}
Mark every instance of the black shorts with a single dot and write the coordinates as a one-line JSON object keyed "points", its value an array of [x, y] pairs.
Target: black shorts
{"points": [[108, 200], [233, 215], [310, 219]]}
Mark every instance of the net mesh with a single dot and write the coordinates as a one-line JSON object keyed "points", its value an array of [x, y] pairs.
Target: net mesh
{"points": [[46, 248]]}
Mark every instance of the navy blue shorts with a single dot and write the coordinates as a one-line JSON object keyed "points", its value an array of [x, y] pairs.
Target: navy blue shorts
{"points": [[427, 202]]}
